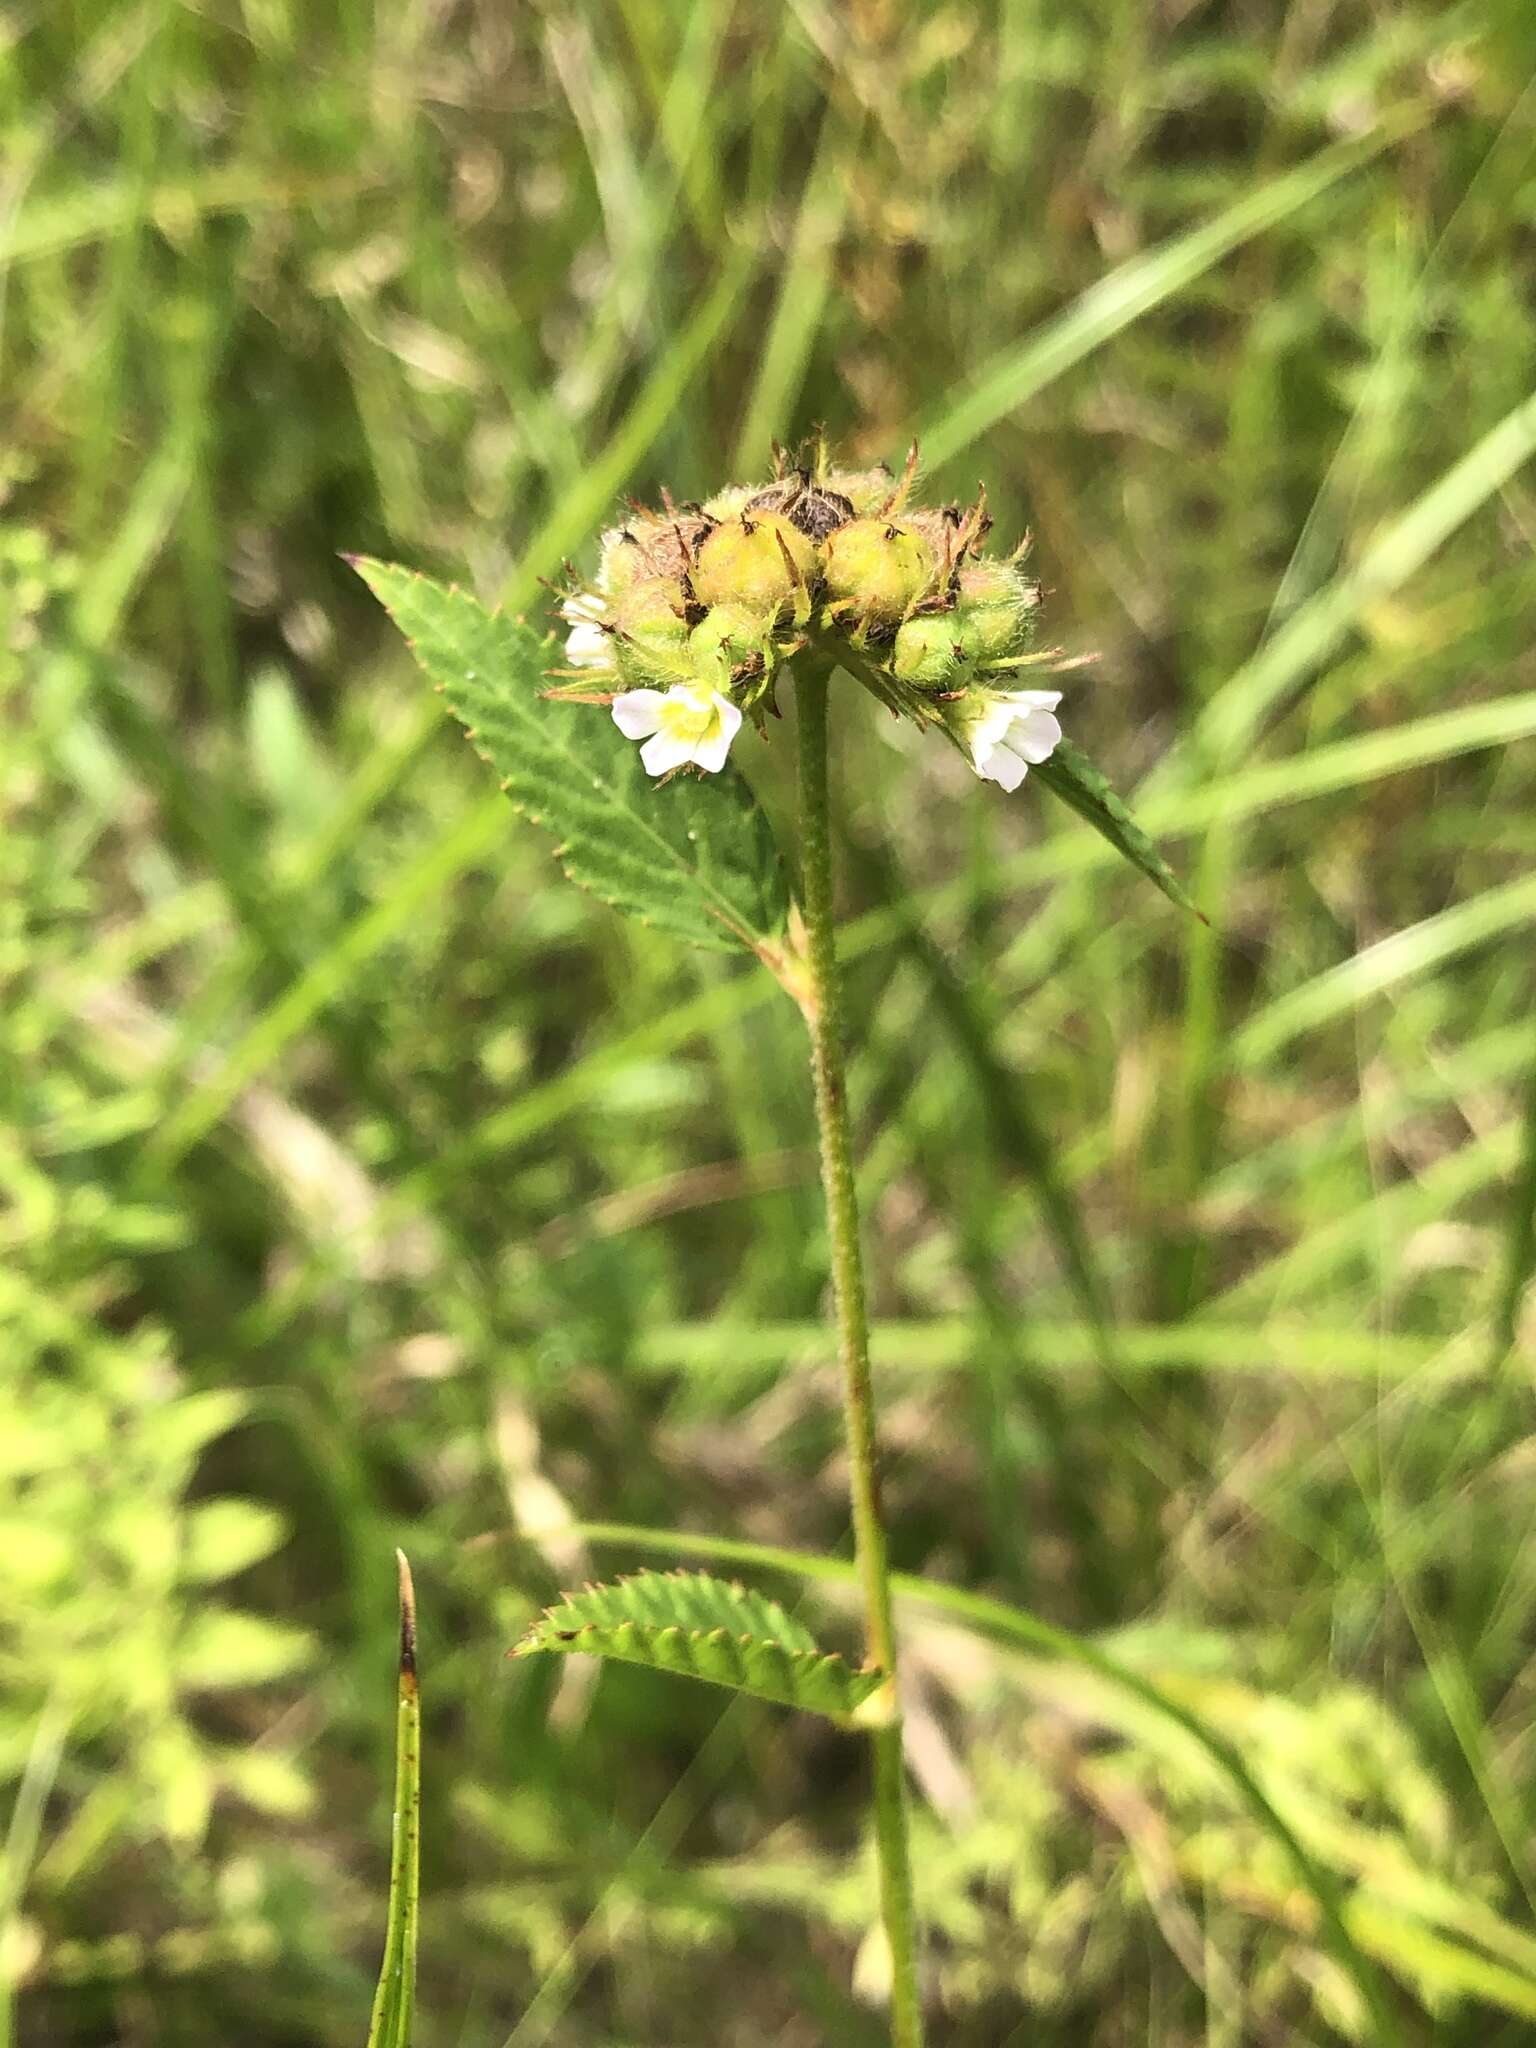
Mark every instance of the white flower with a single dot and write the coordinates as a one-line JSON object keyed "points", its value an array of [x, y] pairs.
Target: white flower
{"points": [[1012, 734], [689, 722], [586, 645]]}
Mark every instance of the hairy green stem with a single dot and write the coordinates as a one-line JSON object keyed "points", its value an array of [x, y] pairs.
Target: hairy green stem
{"points": [[824, 1016]]}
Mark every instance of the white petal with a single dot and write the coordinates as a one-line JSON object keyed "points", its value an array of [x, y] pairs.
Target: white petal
{"points": [[1036, 736], [988, 729], [1003, 767], [586, 646], [638, 712], [710, 753], [664, 752], [1034, 700]]}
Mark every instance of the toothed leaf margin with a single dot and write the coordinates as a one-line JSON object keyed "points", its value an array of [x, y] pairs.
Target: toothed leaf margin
{"points": [[707, 1628], [693, 856], [1070, 775]]}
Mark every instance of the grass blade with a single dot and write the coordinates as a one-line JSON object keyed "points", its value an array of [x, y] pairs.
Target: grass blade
{"points": [[1399, 551], [395, 2000], [1520, 1235], [1416, 950], [1136, 287]]}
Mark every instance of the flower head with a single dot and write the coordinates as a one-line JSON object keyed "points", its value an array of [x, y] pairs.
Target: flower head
{"points": [[1006, 733], [688, 723], [696, 610]]}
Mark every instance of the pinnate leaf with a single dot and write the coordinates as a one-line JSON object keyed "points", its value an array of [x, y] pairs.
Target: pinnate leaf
{"points": [[703, 1627], [693, 856], [1070, 775]]}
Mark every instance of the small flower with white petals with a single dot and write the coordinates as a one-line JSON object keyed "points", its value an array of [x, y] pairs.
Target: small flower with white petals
{"points": [[688, 723], [1008, 733], [587, 645]]}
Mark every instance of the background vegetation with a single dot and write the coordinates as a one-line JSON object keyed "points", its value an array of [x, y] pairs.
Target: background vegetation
{"points": [[360, 1183]]}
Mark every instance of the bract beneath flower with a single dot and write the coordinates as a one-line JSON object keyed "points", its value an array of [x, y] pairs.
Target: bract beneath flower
{"points": [[683, 725]]}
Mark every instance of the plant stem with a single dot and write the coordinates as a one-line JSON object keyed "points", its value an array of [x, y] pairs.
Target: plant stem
{"points": [[824, 1017]]}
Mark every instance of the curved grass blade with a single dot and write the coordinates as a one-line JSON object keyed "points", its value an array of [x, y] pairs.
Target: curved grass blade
{"points": [[395, 2000], [1140, 284], [1272, 675], [1070, 775], [1519, 1236], [693, 858], [702, 1627], [1379, 969], [997, 1618]]}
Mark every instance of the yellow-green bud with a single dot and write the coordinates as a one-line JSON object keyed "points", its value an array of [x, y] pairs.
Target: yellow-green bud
{"points": [[759, 560], [726, 639], [865, 489], [649, 630], [726, 503], [928, 651], [994, 610], [877, 571]]}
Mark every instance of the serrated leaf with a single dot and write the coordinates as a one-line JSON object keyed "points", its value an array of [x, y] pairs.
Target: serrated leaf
{"points": [[693, 856], [708, 1628], [1070, 775]]}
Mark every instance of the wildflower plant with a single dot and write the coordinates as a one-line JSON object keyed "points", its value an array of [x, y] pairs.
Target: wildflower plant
{"points": [[697, 616]]}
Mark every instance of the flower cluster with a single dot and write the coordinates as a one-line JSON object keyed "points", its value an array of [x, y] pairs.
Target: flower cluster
{"points": [[697, 609]]}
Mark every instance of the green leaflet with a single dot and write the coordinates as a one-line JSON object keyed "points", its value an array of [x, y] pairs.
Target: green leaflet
{"points": [[693, 857], [1070, 775], [395, 2000], [703, 1627]]}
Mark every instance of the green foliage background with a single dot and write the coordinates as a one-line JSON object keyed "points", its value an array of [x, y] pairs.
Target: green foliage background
{"points": [[361, 1182]]}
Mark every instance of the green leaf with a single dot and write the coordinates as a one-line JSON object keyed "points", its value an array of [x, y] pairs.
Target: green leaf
{"points": [[395, 2000], [1070, 775], [703, 1627], [693, 856], [989, 1616], [222, 1537], [224, 1646]]}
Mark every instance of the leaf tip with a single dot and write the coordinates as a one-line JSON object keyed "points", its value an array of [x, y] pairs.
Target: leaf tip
{"points": [[407, 1619]]}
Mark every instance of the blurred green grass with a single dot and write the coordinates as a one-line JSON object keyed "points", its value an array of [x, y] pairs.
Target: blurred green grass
{"points": [[358, 1186]]}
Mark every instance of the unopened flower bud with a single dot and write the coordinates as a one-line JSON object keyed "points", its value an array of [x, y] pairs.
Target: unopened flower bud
{"points": [[759, 560], [929, 652], [649, 631], [866, 490], [727, 639], [876, 571], [994, 611]]}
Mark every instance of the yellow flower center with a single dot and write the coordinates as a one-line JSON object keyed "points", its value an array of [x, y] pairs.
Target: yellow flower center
{"points": [[687, 715]]}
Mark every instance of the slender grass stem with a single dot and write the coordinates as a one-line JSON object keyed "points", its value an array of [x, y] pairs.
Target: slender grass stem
{"points": [[824, 1016]]}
